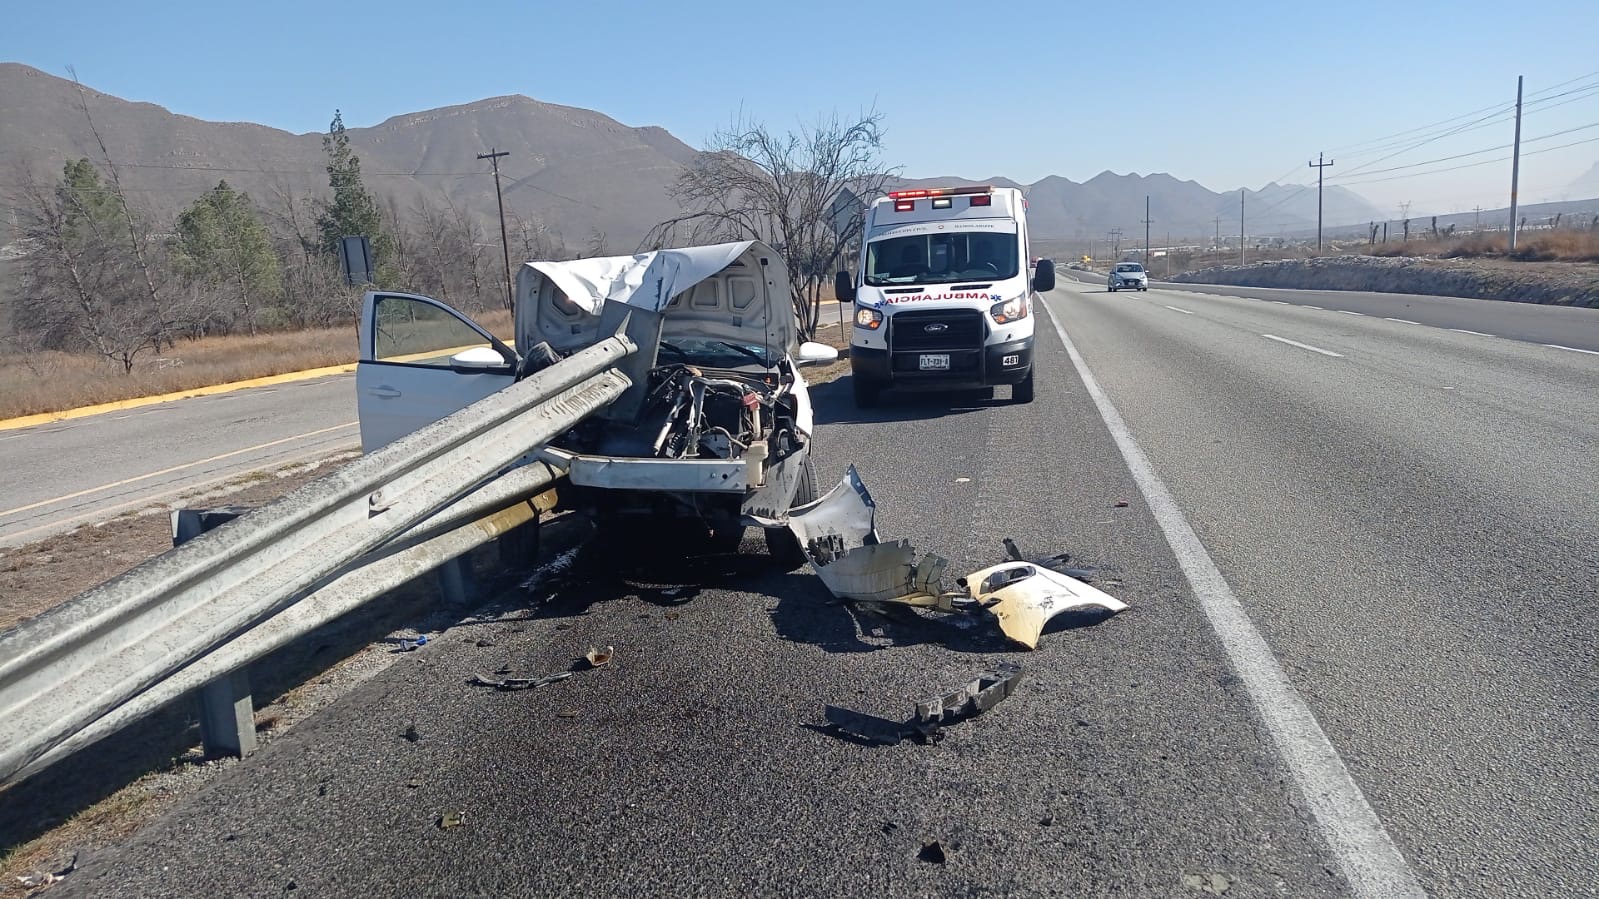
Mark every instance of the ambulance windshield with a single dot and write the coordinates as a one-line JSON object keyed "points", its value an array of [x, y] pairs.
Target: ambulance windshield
{"points": [[942, 258]]}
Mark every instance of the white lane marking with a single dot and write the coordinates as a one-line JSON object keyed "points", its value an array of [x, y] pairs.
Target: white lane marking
{"points": [[1370, 861], [1280, 302], [1464, 331], [1347, 312], [1183, 311], [1303, 346], [1308, 306], [188, 488], [1556, 346], [1402, 321], [143, 477]]}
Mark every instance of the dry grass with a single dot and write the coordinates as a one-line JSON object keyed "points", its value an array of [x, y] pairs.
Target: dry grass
{"points": [[53, 381], [1544, 246]]}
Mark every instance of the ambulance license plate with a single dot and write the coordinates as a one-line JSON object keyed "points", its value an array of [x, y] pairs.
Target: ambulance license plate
{"points": [[935, 362]]}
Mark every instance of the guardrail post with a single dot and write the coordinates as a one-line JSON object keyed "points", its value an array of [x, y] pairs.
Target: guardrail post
{"points": [[227, 710], [456, 579], [227, 716]]}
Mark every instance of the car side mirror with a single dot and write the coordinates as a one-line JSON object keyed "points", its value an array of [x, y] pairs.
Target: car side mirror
{"points": [[1044, 276], [812, 353], [477, 359], [844, 287]]}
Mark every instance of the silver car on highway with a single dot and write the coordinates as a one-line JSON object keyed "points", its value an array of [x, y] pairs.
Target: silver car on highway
{"points": [[1129, 275]]}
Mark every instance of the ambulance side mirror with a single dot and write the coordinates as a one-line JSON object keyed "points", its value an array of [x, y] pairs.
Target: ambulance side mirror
{"points": [[844, 287], [1044, 276]]}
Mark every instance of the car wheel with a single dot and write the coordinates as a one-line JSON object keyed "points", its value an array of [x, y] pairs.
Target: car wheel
{"points": [[781, 544], [1023, 392], [1110, 289], [1143, 288], [866, 392]]}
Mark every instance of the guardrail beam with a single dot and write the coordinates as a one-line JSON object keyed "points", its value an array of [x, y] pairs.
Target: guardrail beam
{"points": [[104, 654]]}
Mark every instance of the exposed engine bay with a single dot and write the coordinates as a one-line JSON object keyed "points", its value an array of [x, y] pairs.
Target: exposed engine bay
{"points": [[744, 419], [695, 413]]}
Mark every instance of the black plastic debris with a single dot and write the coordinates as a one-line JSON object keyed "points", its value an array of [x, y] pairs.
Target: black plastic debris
{"points": [[518, 683], [932, 852], [1061, 562], [932, 715]]}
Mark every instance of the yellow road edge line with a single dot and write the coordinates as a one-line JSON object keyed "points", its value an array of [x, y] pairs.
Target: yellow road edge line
{"points": [[28, 421]]}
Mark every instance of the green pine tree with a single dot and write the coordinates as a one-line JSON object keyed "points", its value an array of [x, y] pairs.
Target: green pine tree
{"points": [[221, 243], [353, 210], [91, 214]]}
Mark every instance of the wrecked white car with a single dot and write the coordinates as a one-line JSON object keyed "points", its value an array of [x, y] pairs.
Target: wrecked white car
{"points": [[717, 426]]}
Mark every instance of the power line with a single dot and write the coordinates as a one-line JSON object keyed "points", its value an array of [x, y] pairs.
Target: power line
{"points": [[1501, 107], [1505, 114], [1476, 152], [1469, 165], [228, 170]]}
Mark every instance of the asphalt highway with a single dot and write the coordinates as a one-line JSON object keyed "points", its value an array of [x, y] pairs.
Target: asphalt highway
{"points": [[1360, 556], [57, 476]]}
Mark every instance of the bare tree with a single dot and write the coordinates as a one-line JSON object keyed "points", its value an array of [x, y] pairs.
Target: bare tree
{"points": [[533, 241], [470, 251], [78, 282], [314, 294], [778, 188]]}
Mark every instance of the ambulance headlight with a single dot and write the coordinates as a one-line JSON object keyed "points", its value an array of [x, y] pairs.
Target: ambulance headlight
{"points": [[870, 319], [1009, 311]]}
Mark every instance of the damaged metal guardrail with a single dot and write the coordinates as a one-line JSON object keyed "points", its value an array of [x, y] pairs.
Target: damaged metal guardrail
{"points": [[105, 658]]}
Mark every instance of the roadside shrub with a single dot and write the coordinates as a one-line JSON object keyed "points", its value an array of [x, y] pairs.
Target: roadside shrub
{"points": [[1477, 245], [1559, 246]]}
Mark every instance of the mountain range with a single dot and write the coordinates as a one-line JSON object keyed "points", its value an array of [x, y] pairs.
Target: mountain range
{"points": [[1586, 185], [575, 173]]}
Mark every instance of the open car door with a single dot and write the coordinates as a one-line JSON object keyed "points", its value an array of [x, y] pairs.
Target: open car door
{"points": [[420, 361]]}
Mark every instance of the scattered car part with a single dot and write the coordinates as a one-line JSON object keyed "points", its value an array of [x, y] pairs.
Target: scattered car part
{"points": [[1024, 596], [931, 715], [519, 683], [597, 657], [451, 819], [35, 881], [839, 535]]}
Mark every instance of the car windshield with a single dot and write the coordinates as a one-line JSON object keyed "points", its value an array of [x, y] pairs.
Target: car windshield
{"points": [[713, 353], [942, 258], [1129, 268]]}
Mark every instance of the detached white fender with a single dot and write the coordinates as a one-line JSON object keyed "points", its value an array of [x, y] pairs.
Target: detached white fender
{"points": [[1024, 596]]}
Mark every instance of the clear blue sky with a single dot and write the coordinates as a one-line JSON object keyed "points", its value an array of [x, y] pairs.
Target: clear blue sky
{"points": [[1229, 94]]}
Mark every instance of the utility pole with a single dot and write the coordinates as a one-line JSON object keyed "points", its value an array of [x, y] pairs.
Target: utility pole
{"points": [[1477, 227], [493, 156], [1318, 165], [1240, 226], [1146, 220], [1515, 165], [1218, 231]]}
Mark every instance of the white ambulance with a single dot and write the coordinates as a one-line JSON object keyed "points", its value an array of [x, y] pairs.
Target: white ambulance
{"points": [[943, 299]]}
